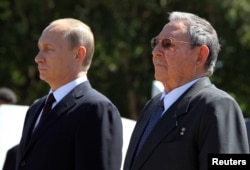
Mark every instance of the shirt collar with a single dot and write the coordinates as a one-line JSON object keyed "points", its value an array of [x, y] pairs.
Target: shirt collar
{"points": [[182, 88], [172, 96], [65, 89]]}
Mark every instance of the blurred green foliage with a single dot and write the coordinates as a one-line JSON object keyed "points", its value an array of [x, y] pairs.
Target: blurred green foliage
{"points": [[122, 68]]}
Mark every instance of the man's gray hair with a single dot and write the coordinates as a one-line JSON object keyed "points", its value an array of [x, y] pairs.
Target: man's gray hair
{"points": [[200, 32]]}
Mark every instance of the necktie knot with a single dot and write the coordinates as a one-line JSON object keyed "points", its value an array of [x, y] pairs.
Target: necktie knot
{"points": [[50, 100], [47, 107]]}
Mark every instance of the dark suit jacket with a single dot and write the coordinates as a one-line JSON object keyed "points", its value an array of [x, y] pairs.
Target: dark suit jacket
{"points": [[83, 131], [203, 120], [10, 159]]}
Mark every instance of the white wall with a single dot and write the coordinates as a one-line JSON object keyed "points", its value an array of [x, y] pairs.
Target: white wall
{"points": [[11, 123]]}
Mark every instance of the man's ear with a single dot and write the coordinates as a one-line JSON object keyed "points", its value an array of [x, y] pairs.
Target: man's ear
{"points": [[81, 53], [202, 54]]}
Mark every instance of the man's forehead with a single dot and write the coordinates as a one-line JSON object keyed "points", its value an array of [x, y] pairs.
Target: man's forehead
{"points": [[51, 38], [174, 28]]}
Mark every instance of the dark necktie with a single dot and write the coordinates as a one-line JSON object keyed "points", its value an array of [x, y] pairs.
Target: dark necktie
{"points": [[152, 122], [46, 108]]}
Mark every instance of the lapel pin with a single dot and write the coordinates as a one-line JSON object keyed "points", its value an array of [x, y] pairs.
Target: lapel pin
{"points": [[183, 131]]}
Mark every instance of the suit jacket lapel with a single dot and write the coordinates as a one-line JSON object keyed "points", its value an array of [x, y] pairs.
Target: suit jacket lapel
{"points": [[60, 109], [167, 123], [139, 129], [34, 112]]}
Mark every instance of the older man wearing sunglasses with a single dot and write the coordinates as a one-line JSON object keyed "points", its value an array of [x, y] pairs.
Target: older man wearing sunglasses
{"points": [[179, 128]]}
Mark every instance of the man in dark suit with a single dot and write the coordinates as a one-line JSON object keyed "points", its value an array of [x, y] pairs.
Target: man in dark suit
{"points": [[194, 117], [76, 127]]}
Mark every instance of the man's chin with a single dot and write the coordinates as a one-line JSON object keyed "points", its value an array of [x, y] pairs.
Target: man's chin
{"points": [[158, 77], [43, 78]]}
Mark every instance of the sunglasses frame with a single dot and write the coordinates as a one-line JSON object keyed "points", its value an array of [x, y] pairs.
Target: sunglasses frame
{"points": [[156, 41]]}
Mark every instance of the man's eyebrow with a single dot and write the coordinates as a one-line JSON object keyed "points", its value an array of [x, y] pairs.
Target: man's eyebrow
{"points": [[39, 44]]}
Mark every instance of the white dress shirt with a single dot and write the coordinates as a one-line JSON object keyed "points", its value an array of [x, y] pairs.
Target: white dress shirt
{"points": [[172, 96]]}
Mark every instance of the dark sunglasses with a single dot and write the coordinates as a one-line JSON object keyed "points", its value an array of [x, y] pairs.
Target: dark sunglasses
{"points": [[166, 42]]}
